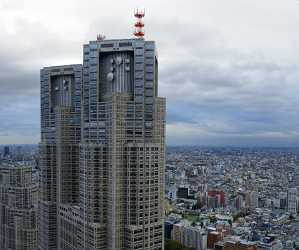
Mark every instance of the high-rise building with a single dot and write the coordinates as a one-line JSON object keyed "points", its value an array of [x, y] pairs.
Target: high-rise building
{"points": [[216, 198], [59, 147], [103, 150], [283, 200], [252, 199], [6, 151], [292, 200], [190, 236], [18, 208], [239, 202]]}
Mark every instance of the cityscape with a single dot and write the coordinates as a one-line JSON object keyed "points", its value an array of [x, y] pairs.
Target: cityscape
{"points": [[128, 159], [215, 197]]}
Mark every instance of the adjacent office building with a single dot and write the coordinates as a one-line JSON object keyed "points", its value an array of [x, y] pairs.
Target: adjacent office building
{"points": [[59, 147], [18, 208], [103, 150]]}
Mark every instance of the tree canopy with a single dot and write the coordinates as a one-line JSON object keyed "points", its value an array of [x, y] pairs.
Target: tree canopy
{"points": [[174, 245]]}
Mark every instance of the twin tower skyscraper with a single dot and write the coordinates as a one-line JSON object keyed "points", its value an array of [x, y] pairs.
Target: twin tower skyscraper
{"points": [[102, 150]]}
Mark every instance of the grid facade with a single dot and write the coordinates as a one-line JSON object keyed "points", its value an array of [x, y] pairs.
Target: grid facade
{"points": [[124, 121], [18, 208], [59, 147], [105, 163]]}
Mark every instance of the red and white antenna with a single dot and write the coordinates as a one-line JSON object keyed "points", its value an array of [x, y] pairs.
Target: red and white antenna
{"points": [[139, 23]]}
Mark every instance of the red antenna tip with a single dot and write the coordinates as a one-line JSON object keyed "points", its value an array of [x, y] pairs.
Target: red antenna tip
{"points": [[139, 23]]}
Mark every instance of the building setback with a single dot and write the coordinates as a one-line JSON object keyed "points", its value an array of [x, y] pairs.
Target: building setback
{"points": [[103, 150], [18, 208]]}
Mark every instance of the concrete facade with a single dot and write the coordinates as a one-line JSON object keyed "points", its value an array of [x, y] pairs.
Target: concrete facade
{"points": [[18, 208], [59, 147], [103, 150]]}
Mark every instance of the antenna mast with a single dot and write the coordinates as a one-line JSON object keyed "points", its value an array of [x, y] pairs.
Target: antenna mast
{"points": [[100, 37], [139, 33]]}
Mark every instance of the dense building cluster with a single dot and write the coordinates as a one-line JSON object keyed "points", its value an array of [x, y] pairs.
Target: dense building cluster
{"points": [[240, 198], [98, 181]]}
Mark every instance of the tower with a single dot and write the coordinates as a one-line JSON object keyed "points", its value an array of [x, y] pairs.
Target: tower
{"points": [[292, 200], [122, 145], [59, 146], [6, 151], [103, 149]]}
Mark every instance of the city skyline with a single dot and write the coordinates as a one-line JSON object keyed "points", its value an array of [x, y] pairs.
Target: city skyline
{"points": [[228, 70]]}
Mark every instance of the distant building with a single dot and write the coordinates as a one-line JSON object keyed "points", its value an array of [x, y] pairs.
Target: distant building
{"points": [[239, 202], [189, 236], [172, 193], [213, 238], [292, 200], [219, 245], [269, 243], [216, 198], [201, 199], [234, 244], [283, 200], [168, 226], [18, 208], [6, 151], [252, 200], [182, 193]]}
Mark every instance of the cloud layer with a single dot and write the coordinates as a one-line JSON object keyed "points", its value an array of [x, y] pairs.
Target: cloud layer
{"points": [[229, 69]]}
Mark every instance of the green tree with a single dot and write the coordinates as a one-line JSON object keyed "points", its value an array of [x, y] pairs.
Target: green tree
{"points": [[174, 245]]}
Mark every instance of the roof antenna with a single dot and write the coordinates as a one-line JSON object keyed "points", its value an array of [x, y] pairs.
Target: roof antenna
{"points": [[139, 33], [100, 37]]}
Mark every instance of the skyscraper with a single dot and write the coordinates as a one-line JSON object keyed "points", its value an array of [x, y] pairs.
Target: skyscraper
{"points": [[103, 150], [59, 147], [18, 207], [6, 151], [292, 200]]}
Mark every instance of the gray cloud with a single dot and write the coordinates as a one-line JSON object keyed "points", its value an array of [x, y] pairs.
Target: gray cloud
{"points": [[228, 69]]}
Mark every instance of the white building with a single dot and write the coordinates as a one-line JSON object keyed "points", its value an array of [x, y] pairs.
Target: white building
{"points": [[254, 200], [189, 236], [171, 195]]}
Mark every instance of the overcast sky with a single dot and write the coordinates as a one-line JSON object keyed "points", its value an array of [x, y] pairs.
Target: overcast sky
{"points": [[229, 69]]}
